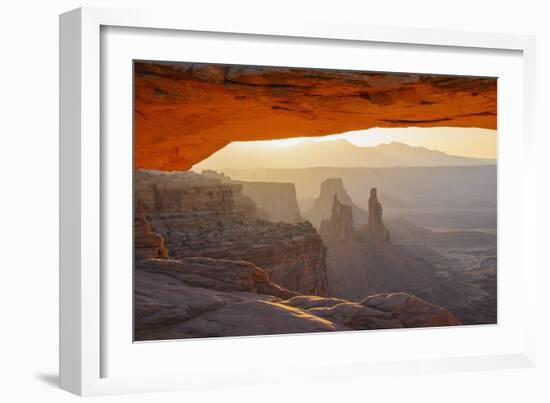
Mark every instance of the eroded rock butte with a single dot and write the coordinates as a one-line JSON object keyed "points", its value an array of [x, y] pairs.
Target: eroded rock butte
{"points": [[201, 216]]}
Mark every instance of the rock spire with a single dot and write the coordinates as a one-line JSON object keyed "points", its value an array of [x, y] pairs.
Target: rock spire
{"points": [[376, 230], [339, 227]]}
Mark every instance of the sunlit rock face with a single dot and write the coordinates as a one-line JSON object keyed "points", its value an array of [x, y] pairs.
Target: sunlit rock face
{"points": [[185, 112]]}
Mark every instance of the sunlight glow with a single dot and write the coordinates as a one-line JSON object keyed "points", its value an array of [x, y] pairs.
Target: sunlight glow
{"points": [[467, 142], [405, 147]]}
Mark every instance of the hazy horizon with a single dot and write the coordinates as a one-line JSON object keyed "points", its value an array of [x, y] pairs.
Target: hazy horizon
{"points": [[378, 148]]}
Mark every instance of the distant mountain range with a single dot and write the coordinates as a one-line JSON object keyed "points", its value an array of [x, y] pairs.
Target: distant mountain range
{"points": [[335, 153]]}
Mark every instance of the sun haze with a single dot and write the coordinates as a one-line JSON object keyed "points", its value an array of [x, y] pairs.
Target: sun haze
{"points": [[466, 142], [367, 148]]}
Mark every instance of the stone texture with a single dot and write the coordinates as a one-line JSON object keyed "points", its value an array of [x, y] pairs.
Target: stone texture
{"points": [[376, 230], [147, 244], [411, 311], [184, 112], [215, 274], [199, 216], [174, 192], [203, 297]]}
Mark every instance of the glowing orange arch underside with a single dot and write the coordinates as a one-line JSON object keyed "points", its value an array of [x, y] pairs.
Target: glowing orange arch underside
{"points": [[184, 113]]}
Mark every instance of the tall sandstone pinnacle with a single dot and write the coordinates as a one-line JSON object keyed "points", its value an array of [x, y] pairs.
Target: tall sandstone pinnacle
{"points": [[339, 227], [376, 230]]}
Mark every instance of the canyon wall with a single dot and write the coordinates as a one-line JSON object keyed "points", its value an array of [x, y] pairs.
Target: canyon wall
{"points": [[277, 201], [147, 244], [201, 216]]}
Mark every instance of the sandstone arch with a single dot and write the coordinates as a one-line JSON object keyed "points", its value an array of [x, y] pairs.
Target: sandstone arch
{"points": [[185, 112]]}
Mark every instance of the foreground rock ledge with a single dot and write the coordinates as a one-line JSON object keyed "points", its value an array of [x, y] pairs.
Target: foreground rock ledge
{"points": [[203, 297], [185, 112]]}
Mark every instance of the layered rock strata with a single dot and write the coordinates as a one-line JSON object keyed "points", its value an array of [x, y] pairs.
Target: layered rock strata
{"points": [[147, 244], [276, 200], [174, 192], [200, 216]]}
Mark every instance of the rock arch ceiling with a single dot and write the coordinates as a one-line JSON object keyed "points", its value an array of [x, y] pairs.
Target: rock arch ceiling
{"points": [[185, 112]]}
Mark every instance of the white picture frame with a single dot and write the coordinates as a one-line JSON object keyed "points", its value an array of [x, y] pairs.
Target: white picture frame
{"points": [[84, 173]]}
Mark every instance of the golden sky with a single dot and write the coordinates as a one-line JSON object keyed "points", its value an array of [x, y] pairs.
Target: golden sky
{"points": [[466, 142], [369, 148]]}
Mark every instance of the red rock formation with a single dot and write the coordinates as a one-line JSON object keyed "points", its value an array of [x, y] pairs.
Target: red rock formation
{"points": [[184, 112], [198, 216], [376, 230], [147, 244], [339, 227]]}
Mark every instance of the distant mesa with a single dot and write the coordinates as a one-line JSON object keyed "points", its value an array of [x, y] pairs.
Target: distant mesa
{"points": [[276, 202], [432, 197], [323, 206]]}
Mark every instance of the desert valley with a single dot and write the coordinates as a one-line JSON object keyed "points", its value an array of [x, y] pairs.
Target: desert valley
{"points": [[277, 200], [244, 252]]}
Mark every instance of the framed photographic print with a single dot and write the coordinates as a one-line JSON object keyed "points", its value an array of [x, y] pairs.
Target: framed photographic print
{"points": [[233, 195]]}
